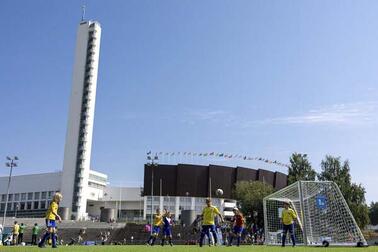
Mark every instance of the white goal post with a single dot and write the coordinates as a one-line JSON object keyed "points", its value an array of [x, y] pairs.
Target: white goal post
{"points": [[324, 217]]}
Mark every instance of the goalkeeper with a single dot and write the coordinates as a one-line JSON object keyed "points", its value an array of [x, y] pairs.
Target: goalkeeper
{"points": [[288, 218]]}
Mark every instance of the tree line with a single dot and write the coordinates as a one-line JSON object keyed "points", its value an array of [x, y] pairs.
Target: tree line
{"points": [[250, 194]]}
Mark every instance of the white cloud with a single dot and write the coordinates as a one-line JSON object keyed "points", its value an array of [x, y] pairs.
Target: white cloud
{"points": [[358, 113], [346, 113]]}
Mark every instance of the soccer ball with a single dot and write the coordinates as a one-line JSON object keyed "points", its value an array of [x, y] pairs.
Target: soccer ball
{"points": [[219, 192]]}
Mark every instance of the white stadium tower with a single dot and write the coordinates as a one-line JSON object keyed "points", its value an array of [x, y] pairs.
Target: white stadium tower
{"points": [[77, 152]]}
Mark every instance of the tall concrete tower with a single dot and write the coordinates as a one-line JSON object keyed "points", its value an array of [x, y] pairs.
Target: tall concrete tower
{"points": [[78, 146]]}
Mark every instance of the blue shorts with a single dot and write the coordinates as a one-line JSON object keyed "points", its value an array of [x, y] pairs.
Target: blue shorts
{"points": [[208, 228], [289, 228], [50, 223], [156, 229], [167, 231], [237, 230]]}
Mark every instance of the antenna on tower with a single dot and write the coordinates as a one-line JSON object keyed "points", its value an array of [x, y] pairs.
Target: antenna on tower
{"points": [[83, 12]]}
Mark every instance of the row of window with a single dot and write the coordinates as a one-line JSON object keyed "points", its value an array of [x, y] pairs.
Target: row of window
{"points": [[97, 178], [27, 196], [29, 205]]}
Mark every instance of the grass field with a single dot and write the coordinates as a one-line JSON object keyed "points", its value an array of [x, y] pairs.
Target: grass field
{"points": [[185, 249]]}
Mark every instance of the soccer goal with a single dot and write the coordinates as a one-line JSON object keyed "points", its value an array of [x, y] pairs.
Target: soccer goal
{"points": [[324, 217]]}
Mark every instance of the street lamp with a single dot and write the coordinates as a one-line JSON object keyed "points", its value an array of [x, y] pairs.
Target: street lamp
{"points": [[140, 203], [187, 200], [10, 163], [152, 161]]}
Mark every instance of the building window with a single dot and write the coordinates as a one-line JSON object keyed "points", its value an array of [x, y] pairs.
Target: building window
{"points": [[28, 205], [30, 196], [17, 197], [36, 195], [9, 207], [51, 193], [16, 206], [23, 196], [10, 197], [22, 206], [2, 206], [44, 194], [3, 197], [43, 204], [36, 205]]}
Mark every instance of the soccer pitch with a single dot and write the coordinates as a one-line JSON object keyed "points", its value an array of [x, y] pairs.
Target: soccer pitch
{"points": [[186, 249]]}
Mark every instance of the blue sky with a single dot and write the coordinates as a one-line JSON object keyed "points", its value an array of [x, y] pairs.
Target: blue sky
{"points": [[262, 78]]}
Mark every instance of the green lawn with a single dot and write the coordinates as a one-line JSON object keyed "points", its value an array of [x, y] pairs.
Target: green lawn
{"points": [[185, 249]]}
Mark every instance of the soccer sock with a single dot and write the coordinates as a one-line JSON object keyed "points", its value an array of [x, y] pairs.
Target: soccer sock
{"points": [[44, 238], [239, 238], [292, 239], [170, 241], [215, 236], [153, 240], [231, 238], [162, 241], [53, 239], [283, 239], [209, 236], [201, 239], [149, 239]]}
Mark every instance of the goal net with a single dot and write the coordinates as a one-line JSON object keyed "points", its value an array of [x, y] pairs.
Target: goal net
{"points": [[323, 215]]}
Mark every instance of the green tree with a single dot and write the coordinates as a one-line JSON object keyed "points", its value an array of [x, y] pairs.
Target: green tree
{"points": [[250, 195], [333, 169], [373, 213], [300, 168]]}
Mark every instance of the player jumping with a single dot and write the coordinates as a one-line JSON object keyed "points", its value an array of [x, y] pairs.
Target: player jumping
{"points": [[288, 218], [158, 219], [167, 228], [208, 223], [51, 216], [238, 227]]}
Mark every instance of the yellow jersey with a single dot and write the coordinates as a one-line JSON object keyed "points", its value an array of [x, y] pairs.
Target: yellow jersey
{"points": [[16, 229], [288, 216], [209, 214], [52, 211], [158, 220]]}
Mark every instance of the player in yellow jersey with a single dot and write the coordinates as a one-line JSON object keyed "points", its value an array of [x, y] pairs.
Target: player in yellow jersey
{"points": [[51, 216], [158, 221], [208, 222], [288, 218], [15, 232]]}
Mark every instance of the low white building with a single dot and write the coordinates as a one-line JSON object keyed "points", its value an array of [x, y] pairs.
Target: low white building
{"points": [[30, 195]]}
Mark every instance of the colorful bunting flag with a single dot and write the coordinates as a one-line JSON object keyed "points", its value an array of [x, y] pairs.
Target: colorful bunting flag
{"points": [[218, 154]]}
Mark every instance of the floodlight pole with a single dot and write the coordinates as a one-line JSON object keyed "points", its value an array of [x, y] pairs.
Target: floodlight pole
{"points": [[12, 163], [153, 162], [210, 188], [302, 213]]}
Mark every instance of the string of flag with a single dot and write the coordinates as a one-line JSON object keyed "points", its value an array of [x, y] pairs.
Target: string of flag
{"points": [[218, 155]]}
